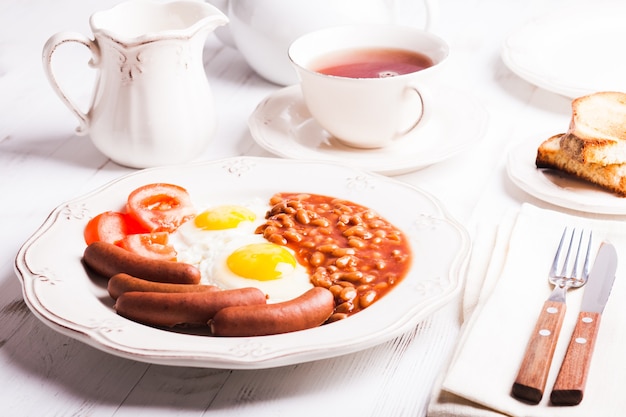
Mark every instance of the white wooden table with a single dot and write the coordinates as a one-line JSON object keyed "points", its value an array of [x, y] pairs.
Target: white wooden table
{"points": [[43, 163]]}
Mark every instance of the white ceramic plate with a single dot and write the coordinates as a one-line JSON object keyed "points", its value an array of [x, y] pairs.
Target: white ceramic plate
{"points": [[574, 51], [556, 187], [59, 291], [453, 121]]}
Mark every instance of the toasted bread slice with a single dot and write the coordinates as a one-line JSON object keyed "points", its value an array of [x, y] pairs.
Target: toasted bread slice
{"points": [[612, 177], [597, 131]]}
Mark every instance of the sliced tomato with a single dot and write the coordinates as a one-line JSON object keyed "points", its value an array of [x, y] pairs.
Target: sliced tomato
{"points": [[149, 245], [111, 227], [160, 207]]}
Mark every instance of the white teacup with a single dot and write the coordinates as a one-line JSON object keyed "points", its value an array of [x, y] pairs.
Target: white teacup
{"points": [[367, 111]]}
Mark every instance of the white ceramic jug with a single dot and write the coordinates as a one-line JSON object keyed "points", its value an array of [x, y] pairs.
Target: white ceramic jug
{"points": [[262, 30], [152, 104]]}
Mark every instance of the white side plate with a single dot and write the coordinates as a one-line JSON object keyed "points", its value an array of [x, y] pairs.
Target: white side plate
{"points": [[573, 52], [556, 187]]}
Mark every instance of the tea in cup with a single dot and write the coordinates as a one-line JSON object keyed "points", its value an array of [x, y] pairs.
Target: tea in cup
{"points": [[368, 85], [262, 30]]}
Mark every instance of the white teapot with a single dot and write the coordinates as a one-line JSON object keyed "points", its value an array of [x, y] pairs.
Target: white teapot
{"points": [[152, 104], [262, 30]]}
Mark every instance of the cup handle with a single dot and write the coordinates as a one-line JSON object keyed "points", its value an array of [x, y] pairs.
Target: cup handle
{"points": [[48, 50], [431, 9], [419, 118]]}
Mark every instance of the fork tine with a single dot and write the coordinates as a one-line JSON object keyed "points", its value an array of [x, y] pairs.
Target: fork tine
{"points": [[586, 266], [563, 273], [557, 255], [576, 263]]}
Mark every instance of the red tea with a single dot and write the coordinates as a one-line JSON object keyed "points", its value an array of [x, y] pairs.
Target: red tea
{"points": [[372, 63]]}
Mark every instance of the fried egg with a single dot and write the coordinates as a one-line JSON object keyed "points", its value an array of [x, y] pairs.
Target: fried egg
{"points": [[222, 243]]}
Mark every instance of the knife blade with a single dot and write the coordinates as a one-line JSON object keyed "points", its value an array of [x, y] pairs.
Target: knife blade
{"points": [[570, 382]]}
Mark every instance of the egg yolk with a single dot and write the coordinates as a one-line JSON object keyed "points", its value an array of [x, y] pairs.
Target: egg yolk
{"points": [[261, 261], [223, 217]]}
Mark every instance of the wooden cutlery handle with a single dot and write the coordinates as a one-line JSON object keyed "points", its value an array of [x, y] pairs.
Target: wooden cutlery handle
{"points": [[533, 373], [570, 383]]}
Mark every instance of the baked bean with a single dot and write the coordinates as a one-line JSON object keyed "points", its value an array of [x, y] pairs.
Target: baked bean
{"points": [[292, 236], [307, 244], [380, 233], [302, 216], [355, 242], [348, 248], [320, 222], [376, 224], [328, 248], [351, 276], [320, 278], [368, 278], [285, 220], [363, 288], [345, 307], [277, 238], [346, 261], [317, 259], [356, 220], [343, 208], [296, 204], [337, 317], [367, 298], [369, 215], [336, 290], [348, 294]]}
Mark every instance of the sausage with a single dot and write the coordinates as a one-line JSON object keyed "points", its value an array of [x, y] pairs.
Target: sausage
{"points": [[121, 283], [108, 259], [193, 308], [311, 309]]}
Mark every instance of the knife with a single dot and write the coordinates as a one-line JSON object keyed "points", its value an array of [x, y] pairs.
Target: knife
{"points": [[570, 382]]}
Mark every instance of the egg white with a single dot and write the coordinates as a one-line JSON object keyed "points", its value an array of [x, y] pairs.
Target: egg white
{"points": [[209, 249], [196, 246], [289, 285]]}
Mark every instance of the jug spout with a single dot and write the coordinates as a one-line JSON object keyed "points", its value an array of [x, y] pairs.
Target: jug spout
{"points": [[213, 18], [136, 21]]}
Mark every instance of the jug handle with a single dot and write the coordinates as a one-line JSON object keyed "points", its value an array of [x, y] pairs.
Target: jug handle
{"points": [[48, 50]]}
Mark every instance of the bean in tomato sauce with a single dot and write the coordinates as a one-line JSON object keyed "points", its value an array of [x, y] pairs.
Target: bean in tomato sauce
{"points": [[348, 248]]}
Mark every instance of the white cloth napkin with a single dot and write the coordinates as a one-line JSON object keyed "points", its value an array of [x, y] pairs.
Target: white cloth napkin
{"points": [[502, 303]]}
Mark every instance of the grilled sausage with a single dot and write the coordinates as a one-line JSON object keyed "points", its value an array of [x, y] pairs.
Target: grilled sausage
{"points": [[121, 283], [311, 309], [193, 308], [108, 259]]}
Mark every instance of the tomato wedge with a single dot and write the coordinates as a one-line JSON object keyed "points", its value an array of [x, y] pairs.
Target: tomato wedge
{"points": [[160, 207], [111, 227], [149, 245]]}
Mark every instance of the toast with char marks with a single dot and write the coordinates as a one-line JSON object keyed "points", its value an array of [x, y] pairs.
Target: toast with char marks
{"points": [[594, 146], [597, 131], [611, 177]]}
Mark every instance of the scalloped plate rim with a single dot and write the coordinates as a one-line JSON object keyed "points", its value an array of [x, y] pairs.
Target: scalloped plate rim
{"points": [[243, 355]]}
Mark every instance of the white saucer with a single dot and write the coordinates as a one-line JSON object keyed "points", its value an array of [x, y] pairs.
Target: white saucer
{"points": [[454, 121], [573, 52], [556, 187]]}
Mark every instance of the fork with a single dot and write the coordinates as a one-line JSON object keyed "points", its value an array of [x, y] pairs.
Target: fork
{"points": [[531, 379]]}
